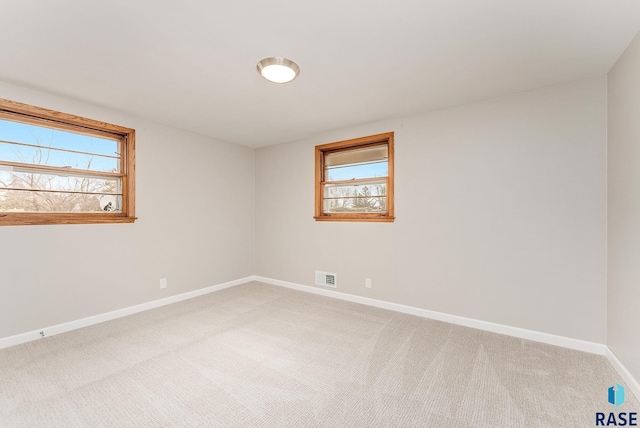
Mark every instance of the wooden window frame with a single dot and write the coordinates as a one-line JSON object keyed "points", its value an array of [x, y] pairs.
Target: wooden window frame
{"points": [[49, 118], [324, 149]]}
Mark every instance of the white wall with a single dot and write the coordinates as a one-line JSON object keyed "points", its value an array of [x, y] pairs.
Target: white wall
{"points": [[624, 208], [195, 208], [500, 217], [500, 205]]}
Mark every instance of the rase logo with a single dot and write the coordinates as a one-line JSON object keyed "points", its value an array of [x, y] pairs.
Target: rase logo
{"points": [[616, 397]]}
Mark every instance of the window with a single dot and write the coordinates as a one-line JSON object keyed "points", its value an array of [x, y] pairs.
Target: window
{"points": [[56, 168], [354, 179]]}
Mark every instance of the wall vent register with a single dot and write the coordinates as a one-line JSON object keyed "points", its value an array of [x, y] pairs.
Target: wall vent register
{"points": [[326, 279]]}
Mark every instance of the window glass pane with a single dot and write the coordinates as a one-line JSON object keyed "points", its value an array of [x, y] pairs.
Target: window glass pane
{"points": [[354, 205], [57, 148], [351, 172], [357, 163], [357, 198], [36, 181], [49, 192], [356, 156], [42, 201]]}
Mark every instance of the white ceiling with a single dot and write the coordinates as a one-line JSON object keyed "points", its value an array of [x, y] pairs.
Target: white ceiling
{"points": [[192, 63]]}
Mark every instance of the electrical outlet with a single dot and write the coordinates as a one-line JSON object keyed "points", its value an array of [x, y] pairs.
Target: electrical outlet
{"points": [[367, 282], [163, 283]]}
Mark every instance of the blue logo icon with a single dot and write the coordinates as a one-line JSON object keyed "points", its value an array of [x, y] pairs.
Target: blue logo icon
{"points": [[616, 395]]}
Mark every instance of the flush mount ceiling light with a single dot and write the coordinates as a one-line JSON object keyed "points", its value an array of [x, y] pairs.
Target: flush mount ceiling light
{"points": [[278, 70]]}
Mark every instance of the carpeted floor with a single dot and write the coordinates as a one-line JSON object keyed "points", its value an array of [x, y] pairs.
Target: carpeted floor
{"points": [[257, 355]]}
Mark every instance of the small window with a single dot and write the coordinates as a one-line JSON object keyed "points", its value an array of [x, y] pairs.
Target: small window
{"points": [[56, 168], [354, 179]]}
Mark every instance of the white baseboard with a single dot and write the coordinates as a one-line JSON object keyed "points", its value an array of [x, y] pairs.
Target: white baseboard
{"points": [[628, 378], [551, 339], [84, 322]]}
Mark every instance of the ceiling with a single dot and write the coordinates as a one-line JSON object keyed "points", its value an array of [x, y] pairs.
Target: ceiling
{"points": [[192, 63]]}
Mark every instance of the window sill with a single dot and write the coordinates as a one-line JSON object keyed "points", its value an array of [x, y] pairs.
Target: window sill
{"points": [[356, 218], [44, 219]]}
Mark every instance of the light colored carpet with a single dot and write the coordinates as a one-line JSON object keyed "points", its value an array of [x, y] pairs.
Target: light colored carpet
{"points": [[262, 356]]}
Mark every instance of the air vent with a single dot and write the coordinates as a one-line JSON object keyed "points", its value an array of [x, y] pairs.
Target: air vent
{"points": [[326, 279]]}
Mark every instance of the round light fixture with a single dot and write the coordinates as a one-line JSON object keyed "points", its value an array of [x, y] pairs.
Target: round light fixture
{"points": [[278, 69]]}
